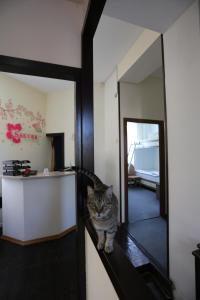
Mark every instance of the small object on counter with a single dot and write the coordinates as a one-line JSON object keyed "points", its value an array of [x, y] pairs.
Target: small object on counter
{"points": [[11, 162], [27, 172], [25, 161], [46, 172], [12, 173], [15, 167]]}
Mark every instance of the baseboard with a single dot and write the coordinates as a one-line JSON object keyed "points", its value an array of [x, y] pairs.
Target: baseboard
{"points": [[148, 187], [40, 240]]}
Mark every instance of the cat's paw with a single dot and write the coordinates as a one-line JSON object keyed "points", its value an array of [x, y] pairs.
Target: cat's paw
{"points": [[100, 245], [108, 248]]}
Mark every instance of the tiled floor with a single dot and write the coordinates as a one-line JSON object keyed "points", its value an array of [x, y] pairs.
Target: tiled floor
{"points": [[39, 272]]}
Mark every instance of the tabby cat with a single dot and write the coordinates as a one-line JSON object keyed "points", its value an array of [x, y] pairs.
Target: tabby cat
{"points": [[102, 206]]}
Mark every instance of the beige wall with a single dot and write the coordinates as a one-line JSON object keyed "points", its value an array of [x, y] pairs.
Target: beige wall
{"points": [[98, 284], [60, 117], [182, 67], [143, 101], [35, 101], [58, 110]]}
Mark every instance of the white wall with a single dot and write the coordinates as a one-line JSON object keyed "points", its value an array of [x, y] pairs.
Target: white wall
{"points": [[98, 284], [106, 132], [112, 134], [143, 101], [47, 30], [182, 66], [99, 131], [60, 117]]}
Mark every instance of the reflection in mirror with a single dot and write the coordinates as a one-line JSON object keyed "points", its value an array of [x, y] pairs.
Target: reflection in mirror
{"points": [[38, 212], [143, 160], [37, 122], [129, 130]]}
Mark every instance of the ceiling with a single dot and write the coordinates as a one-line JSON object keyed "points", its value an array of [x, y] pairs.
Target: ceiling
{"points": [[150, 63], [44, 85], [122, 22], [157, 15], [112, 40]]}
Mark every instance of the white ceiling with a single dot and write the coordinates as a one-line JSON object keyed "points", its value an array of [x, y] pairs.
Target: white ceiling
{"points": [[44, 85], [150, 63], [157, 15], [112, 40], [121, 24]]}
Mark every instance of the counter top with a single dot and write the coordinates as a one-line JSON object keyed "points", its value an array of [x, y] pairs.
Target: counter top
{"points": [[40, 175]]}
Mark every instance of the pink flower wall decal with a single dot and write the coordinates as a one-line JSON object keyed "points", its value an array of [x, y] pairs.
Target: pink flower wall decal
{"points": [[13, 132]]}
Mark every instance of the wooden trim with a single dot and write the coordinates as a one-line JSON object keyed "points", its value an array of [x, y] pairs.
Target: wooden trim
{"points": [[86, 129], [148, 121], [120, 154], [39, 240], [166, 151], [125, 172], [38, 68], [29, 67], [162, 170]]}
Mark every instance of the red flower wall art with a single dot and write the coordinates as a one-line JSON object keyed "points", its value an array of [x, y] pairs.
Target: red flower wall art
{"points": [[13, 132], [20, 124]]}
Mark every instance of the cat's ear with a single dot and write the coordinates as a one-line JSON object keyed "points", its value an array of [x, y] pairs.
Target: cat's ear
{"points": [[109, 191], [90, 191]]}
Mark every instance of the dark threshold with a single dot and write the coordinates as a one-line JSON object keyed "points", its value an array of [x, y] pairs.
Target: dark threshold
{"points": [[46, 271]]}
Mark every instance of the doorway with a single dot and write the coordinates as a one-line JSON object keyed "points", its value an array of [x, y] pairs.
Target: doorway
{"points": [[38, 150], [144, 185], [58, 151]]}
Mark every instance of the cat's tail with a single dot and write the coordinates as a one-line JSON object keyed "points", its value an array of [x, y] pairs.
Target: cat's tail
{"points": [[97, 182]]}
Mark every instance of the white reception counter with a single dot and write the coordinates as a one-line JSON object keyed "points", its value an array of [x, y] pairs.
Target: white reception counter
{"points": [[38, 208]]}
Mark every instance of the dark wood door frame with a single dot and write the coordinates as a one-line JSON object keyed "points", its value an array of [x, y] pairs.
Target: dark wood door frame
{"points": [[36, 68], [163, 199]]}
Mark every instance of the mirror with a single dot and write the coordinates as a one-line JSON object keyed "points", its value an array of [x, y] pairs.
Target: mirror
{"points": [[144, 165], [130, 130]]}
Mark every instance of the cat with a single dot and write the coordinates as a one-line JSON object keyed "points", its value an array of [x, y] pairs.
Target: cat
{"points": [[103, 210]]}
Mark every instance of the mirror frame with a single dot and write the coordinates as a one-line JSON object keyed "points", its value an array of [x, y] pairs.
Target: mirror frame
{"points": [[165, 151]]}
